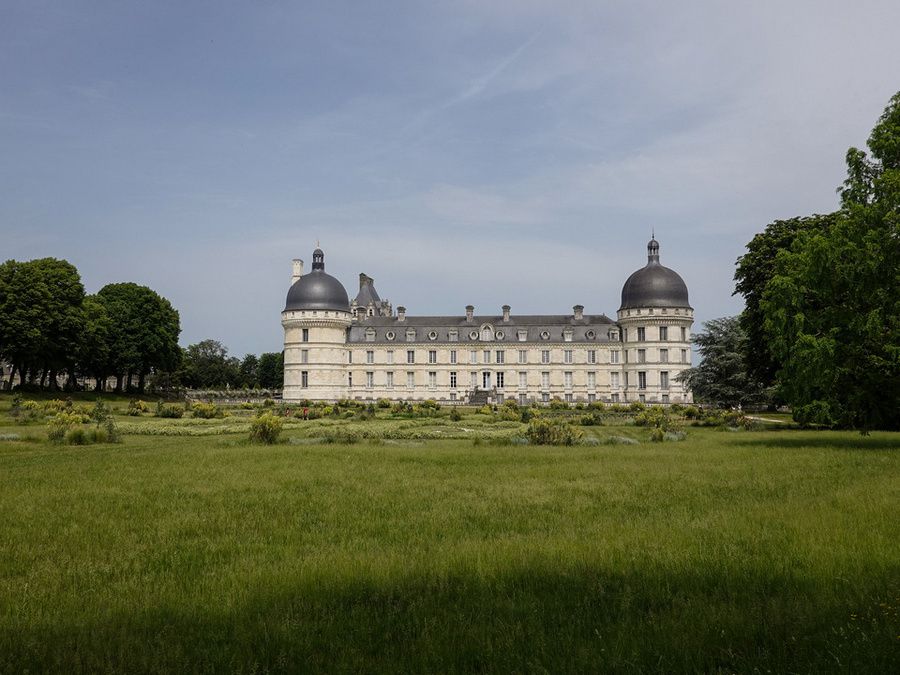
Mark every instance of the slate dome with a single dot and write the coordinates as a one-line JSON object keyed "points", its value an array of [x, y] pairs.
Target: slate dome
{"points": [[318, 290], [654, 285]]}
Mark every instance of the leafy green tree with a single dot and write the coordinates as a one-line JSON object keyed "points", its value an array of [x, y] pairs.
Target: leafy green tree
{"points": [[144, 332], [832, 308], [94, 356], [249, 371], [723, 376], [40, 317], [271, 370], [754, 271], [207, 365]]}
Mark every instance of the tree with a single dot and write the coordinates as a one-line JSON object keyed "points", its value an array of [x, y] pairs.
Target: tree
{"points": [[249, 371], [93, 352], [832, 307], [40, 317], [144, 332], [207, 364], [271, 370], [723, 377], [754, 271]]}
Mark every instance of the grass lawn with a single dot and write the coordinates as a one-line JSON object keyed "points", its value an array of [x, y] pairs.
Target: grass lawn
{"points": [[773, 550]]}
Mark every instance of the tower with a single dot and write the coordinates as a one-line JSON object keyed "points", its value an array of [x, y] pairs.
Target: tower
{"points": [[315, 319], [656, 319]]}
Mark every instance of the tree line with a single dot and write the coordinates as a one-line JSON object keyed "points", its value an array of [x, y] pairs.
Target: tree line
{"points": [[820, 331], [52, 332]]}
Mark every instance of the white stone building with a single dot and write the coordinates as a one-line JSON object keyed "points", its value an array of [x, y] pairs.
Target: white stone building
{"points": [[336, 348]]}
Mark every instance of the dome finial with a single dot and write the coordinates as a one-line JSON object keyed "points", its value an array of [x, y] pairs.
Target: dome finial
{"points": [[653, 250], [318, 260]]}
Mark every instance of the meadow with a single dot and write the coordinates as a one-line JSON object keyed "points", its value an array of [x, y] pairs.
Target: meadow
{"points": [[433, 545]]}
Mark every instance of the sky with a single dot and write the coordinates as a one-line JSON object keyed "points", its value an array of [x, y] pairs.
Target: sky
{"points": [[480, 152]]}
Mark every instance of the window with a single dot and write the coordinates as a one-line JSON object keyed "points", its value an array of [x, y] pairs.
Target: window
{"points": [[642, 398], [432, 356], [349, 379], [410, 380], [501, 356], [591, 380], [390, 356], [683, 334], [663, 333], [614, 380], [389, 379], [545, 380], [615, 398], [642, 334], [567, 356], [432, 379], [614, 356], [592, 356], [410, 355], [523, 399], [545, 356], [568, 397], [487, 334], [567, 335], [473, 356], [306, 334], [684, 356], [523, 380], [625, 333], [453, 379], [304, 356], [452, 356], [452, 395], [473, 379], [370, 379], [642, 355], [663, 355], [664, 380], [487, 355], [626, 380], [453, 336], [370, 334], [522, 335], [486, 379], [370, 356], [304, 379], [349, 357], [567, 379], [411, 335], [545, 397], [523, 356], [642, 379], [500, 379], [665, 398]]}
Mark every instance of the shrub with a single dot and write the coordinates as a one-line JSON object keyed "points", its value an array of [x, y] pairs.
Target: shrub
{"points": [[595, 419], [136, 407], [430, 404], [657, 435], [207, 411], [342, 437], [817, 412], [691, 412], [636, 407], [266, 428], [383, 403], [558, 404], [61, 424], [597, 405], [455, 415], [246, 405], [77, 436], [268, 403], [485, 410], [552, 432], [169, 410], [526, 415]]}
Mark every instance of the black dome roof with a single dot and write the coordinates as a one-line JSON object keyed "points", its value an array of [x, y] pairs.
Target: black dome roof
{"points": [[318, 290], [654, 285]]}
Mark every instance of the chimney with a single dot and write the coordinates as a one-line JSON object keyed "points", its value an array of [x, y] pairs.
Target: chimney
{"points": [[506, 313], [297, 270], [364, 279], [470, 312], [401, 314], [579, 312]]}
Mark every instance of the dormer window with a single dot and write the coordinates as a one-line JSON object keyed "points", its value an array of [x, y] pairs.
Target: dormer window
{"points": [[487, 333], [410, 335], [523, 335], [453, 336], [370, 335], [567, 335]]}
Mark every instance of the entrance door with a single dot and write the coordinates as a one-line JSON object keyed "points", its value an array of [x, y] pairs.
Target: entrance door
{"points": [[486, 379]]}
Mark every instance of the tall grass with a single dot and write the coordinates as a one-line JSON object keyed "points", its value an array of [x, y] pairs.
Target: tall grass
{"points": [[725, 552]]}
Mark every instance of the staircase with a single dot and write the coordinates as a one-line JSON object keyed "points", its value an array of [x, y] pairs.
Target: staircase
{"points": [[478, 397]]}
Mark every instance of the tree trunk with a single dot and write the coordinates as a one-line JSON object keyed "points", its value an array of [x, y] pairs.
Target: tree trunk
{"points": [[141, 379], [12, 374], [52, 383], [118, 388]]}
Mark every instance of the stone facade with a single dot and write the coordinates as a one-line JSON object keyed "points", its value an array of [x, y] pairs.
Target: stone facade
{"points": [[360, 349]]}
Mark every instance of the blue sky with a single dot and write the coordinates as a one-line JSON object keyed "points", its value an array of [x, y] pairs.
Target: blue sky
{"points": [[466, 152]]}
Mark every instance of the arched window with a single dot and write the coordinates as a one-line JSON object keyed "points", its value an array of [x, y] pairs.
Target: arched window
{"points": [[487, 333]]}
